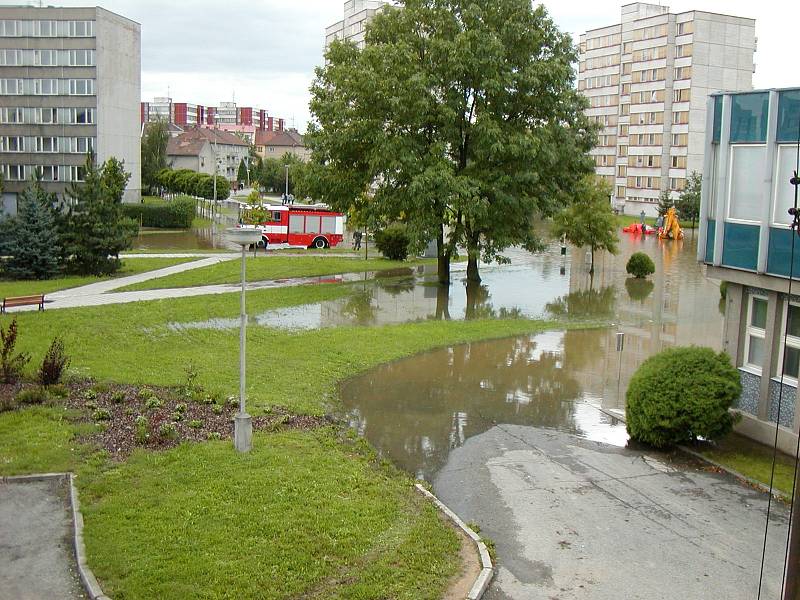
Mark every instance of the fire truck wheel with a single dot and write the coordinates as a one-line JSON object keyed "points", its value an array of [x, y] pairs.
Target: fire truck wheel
{"points": [[320, 243]]}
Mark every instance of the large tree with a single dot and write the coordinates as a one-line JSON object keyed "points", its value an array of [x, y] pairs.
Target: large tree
{"points": [[94, 230], [459, 117], [688, 204], [31, 239], [589, 221], [154, 154]]}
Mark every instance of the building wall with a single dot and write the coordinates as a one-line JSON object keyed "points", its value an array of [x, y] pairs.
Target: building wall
{"points": [[119, 89], [647, 79], [357, 14]]}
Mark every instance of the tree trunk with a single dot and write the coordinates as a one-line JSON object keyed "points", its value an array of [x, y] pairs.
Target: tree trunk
{"points": [[591, 268], [473, 254], [443, 258], [443, 302]]}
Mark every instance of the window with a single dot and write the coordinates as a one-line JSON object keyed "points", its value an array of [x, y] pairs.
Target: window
{"points": [[81, 58], [15, 172], [626, 89], [627, 47], [678, 162], [683, 73], [681, 95], [296, 223], [328, 224], [81, 87], [81, 116], [623, 130], [620, 191], [10, 58], [624, 109], [683, 50], [11, 87], [12, 144], [77, 173], [48, 172], [680, 117], [81, 28], [680, 139], [677, 183], [622, 171], [627, 68], [790, 354], [46, 144], [10, 28], [623, 151], [746, 183], [788, 115], [686, 28], [756, 333], [45, 87], [11, 115], [46, 116], [749, 114]]}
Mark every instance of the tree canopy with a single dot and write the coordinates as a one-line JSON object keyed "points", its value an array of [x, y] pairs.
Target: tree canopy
{"points": [[154, 153], [688, 205], [589, 221], [459, 117]]}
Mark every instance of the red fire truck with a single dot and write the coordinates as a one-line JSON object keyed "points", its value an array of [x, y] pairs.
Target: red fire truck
{"points": [[296, 226]]}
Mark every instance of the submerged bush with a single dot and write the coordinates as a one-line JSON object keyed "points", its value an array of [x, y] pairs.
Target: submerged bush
{"points": [[680, 395], [393, 242], [640, 265]]}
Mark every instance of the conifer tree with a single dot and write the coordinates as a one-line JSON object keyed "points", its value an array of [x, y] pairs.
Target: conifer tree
{"points": [[95, 230], [32, 238], [665, 202]]}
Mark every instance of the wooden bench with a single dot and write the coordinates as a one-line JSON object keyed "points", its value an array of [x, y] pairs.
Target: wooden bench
{"points": [[13, 302]]}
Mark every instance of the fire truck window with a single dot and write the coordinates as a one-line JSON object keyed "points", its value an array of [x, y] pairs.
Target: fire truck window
{"points": [[312, 224], [296, 223], [276, 217], [328, 224]]}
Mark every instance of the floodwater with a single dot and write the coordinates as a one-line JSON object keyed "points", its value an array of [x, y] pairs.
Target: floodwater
{"points": [[417, 410], [194, 239]]}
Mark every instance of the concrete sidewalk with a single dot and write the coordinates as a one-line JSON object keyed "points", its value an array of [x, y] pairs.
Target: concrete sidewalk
{"points": [[574, 519], [36, 555]]}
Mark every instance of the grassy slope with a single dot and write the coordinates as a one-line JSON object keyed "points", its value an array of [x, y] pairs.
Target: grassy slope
{"points": [[299, 370], [130, 266], [753, 460], [309, 511], [271, 267]]}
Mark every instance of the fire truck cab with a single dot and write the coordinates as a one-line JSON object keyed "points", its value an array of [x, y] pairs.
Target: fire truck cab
{"points": [[300, 226]]}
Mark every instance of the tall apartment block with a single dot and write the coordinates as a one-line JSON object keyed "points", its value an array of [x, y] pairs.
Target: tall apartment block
{"points": [[647, 80], [357, 13], [70, 82]]}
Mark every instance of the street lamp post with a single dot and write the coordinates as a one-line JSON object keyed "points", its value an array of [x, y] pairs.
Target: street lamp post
{"points": [[286, 195], [243, 423]]}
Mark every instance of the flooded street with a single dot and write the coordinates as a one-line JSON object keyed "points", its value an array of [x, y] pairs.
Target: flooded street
{"points": [[556, 380]]}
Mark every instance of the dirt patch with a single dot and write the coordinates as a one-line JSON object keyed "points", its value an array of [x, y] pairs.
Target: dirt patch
{"points": [[156, 418], [471, 567]]}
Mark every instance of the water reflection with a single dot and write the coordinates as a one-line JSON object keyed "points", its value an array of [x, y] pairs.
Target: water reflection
{"points": [[415, 411]]}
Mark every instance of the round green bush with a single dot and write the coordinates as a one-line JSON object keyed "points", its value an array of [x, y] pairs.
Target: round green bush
{"points": [[640, 265], [393, 242], [680, 395]]}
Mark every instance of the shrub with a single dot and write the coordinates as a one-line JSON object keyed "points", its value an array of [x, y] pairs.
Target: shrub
{"points": [[54, 363], [168, 431], [723, 290], [7, 404], [118, 397], [102, 414], [640, 265], [58, 391], [217, 409], [181, 408], [214, 436], [90, 395], [177, 214], [177, 416], [11, 365], [680, 395], [37, 395], [152, 403], [195, 424], [142, 429], [393, 242]]}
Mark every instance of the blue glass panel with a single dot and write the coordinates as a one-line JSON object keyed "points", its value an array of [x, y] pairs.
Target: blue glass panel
{"points": [[749, 114], [780, 253], [711, 234], [789, 116], [717, 119], [740, 246]]}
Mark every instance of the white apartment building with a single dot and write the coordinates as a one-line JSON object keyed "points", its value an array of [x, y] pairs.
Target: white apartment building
{"points": [[70, 82], [647, 80], [357, 14]]}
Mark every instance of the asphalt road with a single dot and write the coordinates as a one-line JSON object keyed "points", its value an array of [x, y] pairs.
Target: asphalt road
{"points": [[574, 519], [36, 558]]}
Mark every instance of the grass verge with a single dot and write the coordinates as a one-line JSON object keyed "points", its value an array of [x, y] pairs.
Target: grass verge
{"points": [[753, 460], [130, 266], [271, 267]]}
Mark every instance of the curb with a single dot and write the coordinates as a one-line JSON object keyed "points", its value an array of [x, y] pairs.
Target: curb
{"points": [[776, 493], [487, 571], [88, 579]]}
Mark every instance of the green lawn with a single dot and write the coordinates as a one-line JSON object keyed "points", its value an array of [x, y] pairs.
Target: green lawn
{"points": [[304, 514], [131, 343], [753, 460], [264, 268], [130, 266]]}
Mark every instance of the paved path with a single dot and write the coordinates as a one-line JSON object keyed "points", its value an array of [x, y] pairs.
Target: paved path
{"points": [[574, 519], [36, 557]]}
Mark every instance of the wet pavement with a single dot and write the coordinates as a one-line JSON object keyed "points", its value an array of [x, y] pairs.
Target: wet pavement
{"points": [[36, 558]]}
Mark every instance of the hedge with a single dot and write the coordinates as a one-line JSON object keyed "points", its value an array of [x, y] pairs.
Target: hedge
{"points": [[177, 214]]}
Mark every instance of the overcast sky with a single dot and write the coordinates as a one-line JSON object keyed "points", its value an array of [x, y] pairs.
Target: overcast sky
{"points": [[264, 51]]}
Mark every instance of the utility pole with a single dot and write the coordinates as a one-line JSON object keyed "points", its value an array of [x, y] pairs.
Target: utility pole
{"points": [[792, 587], [287, 183]]}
